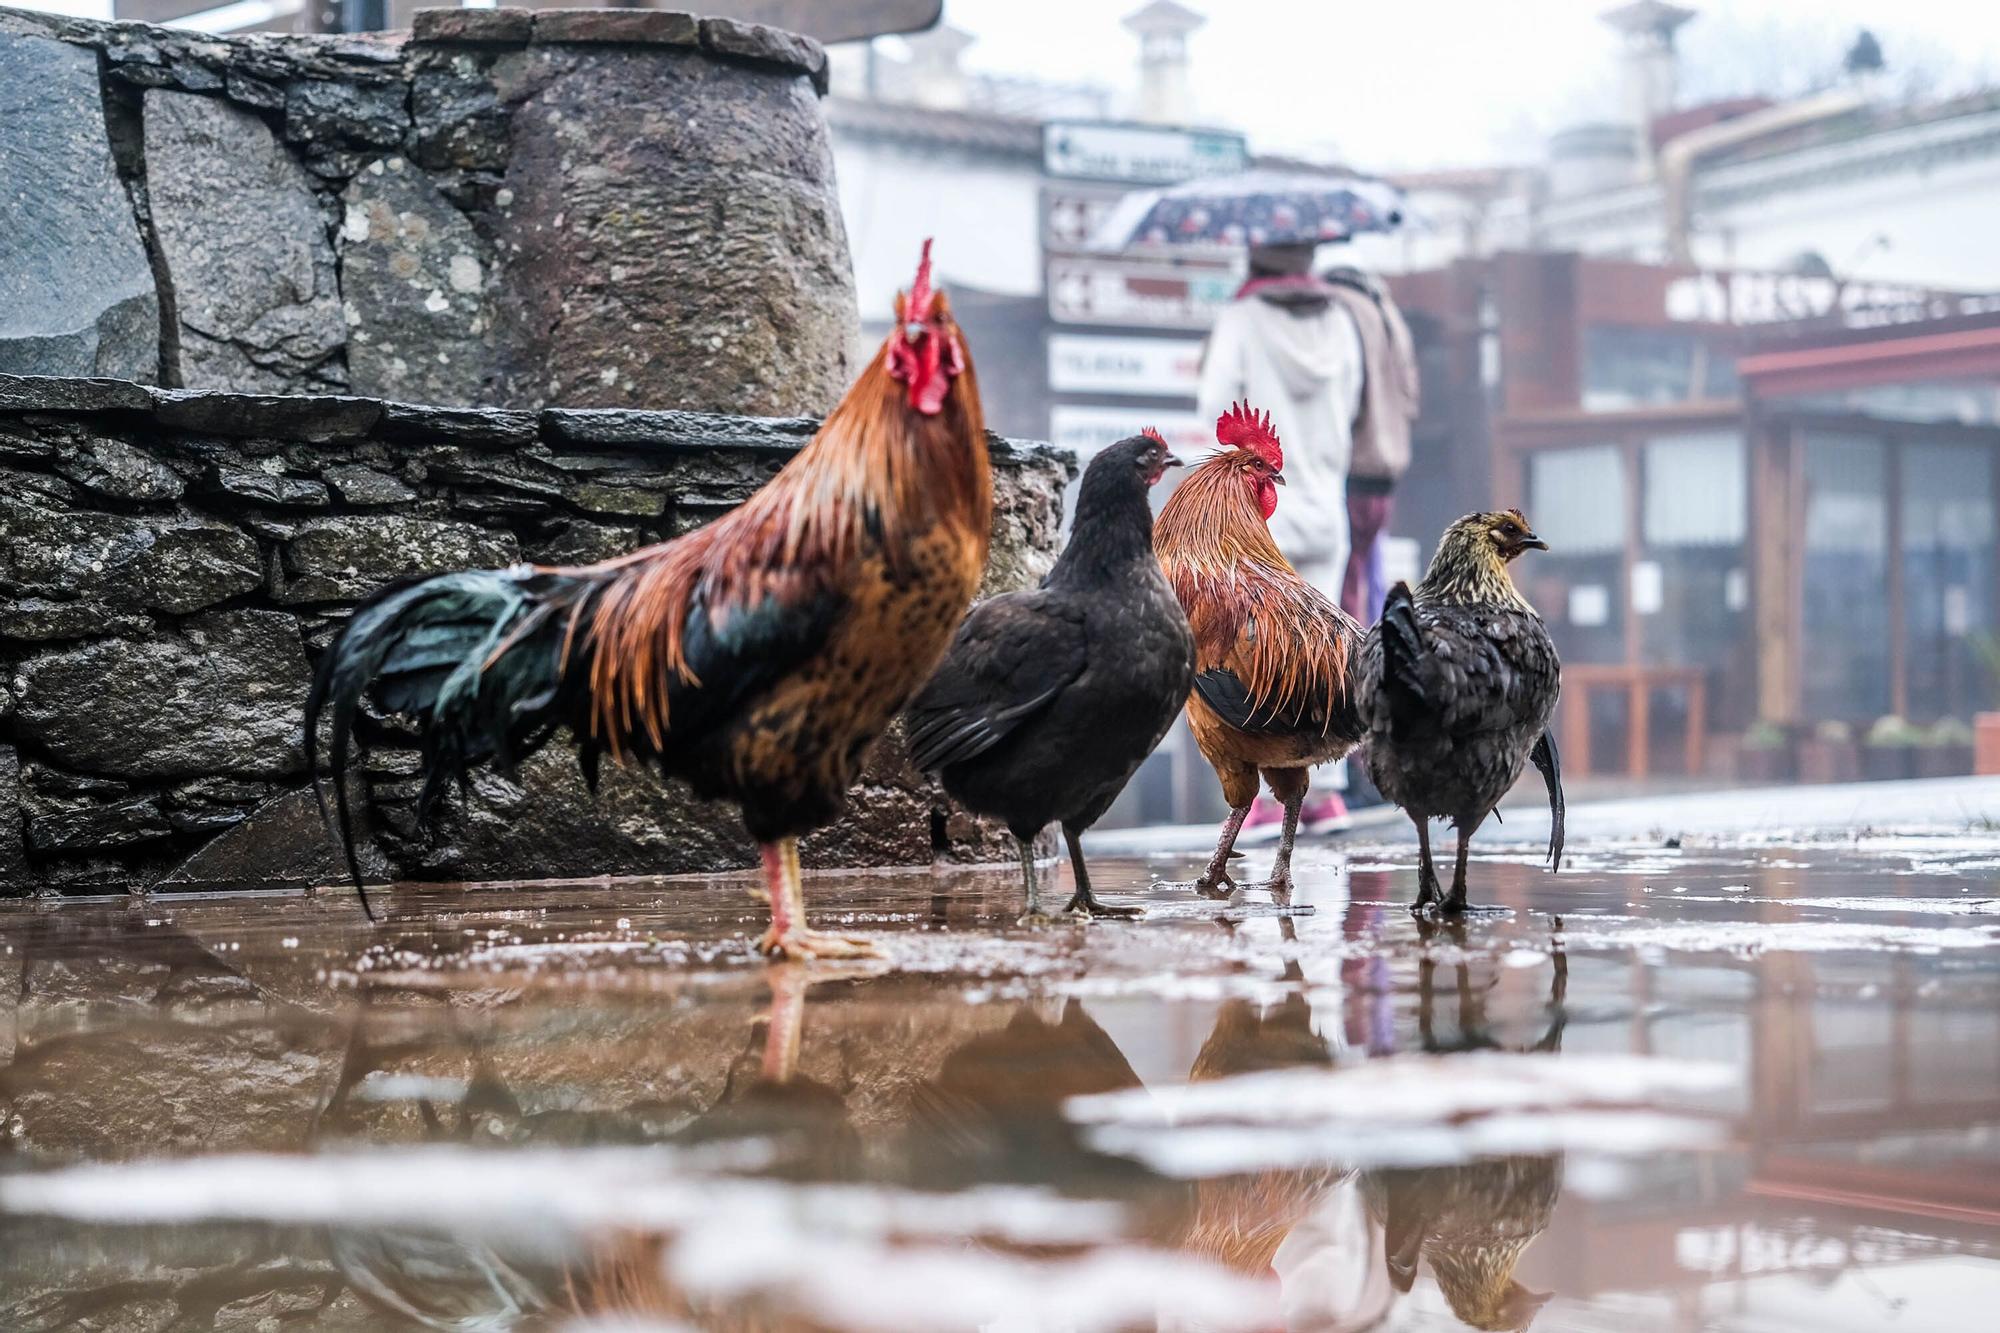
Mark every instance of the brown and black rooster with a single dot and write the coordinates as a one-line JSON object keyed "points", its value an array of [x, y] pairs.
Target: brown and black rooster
{"points": [[758, 657], [1456, 685], [1051, 698], [1271, 651]]}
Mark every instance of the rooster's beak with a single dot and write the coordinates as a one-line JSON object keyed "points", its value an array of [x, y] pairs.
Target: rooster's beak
{"points": [[1277, 478]]}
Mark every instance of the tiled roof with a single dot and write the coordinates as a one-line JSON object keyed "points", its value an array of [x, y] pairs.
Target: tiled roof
{"points": [[975, 131]]}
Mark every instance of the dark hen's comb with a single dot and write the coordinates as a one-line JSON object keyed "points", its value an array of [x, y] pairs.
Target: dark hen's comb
{"points": [[1154, 435], [1242, 428]]}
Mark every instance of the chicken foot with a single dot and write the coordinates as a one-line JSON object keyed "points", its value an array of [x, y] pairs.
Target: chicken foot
{"points": [[1083, 902], [789, 936], [1289, 786], [1215, 881]]}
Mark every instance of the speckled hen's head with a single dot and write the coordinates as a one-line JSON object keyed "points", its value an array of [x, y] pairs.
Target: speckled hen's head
{"points": [[1473, 555]]}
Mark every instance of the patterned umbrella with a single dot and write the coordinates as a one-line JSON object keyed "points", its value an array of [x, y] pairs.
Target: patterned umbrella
{"points": [[1252, 208]]}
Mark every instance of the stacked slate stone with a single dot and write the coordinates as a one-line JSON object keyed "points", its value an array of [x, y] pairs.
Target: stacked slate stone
{"points": [[507, 208], [171, 563]]}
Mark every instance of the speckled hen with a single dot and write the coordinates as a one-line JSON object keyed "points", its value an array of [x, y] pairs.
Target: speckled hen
{"points": [[1456, 685]]}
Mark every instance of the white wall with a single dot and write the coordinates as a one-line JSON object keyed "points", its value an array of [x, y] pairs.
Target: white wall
{"points": [[985, 219]]}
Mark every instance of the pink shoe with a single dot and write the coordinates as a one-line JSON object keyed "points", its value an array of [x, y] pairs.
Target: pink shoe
{"points": [[1265, 823], [1324, 815]]}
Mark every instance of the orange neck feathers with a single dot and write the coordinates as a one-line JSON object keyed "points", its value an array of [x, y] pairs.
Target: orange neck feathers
{"points": [[875, 477], [1228, 573]]}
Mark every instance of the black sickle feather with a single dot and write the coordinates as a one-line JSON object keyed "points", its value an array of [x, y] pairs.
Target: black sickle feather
{"points": [[1403, 662], [1544, 757]]}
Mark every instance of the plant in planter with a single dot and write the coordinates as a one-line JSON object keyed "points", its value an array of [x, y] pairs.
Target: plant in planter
{"points": [[1829, 754], [1945, 750], [1986, 725], [1764, 754], [1890, 750]]}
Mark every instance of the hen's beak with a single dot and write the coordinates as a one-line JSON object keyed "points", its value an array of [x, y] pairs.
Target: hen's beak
{"points": [[1170, 461], [1533, 543]]}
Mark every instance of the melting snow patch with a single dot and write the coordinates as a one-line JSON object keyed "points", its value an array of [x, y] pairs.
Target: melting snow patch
{"points": [[1406, 1111]]}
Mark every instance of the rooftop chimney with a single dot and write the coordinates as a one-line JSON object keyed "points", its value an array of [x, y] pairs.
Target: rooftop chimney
{"points": [[935, 79], [1651, 66], [1162, 27]]}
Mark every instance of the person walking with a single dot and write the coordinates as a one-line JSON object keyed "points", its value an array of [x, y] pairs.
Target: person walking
{"points": [[1288, 346], [1381, 439]]}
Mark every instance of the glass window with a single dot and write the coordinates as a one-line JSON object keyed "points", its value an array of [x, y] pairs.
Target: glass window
{"points": [[1845, 666], [1948, 531], [1576, 501], [1695, 515]]}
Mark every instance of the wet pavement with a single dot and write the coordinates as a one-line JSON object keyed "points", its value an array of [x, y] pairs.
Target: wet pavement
{"points": [[1742, 1083]]}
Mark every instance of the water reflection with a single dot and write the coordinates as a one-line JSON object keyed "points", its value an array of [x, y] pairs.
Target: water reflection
{"points": [[510, 1115]]}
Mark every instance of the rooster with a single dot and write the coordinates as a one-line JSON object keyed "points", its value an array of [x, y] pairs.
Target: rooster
{"points": [[1457, 683], [1051, 698], [758, 657], [1271, 652]]}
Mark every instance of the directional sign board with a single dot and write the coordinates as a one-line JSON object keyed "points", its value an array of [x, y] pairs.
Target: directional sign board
{"points": [[1089, 429], [1135, 367], [1137, 293], [1139, 154]]}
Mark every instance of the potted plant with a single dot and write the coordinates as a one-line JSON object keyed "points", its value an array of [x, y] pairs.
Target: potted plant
{"points": [[1945, 750], [1889, 751], [1764, 754], [1986, 725], [1829, 754]]}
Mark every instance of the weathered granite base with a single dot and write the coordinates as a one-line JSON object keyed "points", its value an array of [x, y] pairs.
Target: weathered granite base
{"points": [[172, 562], [505, 207]]}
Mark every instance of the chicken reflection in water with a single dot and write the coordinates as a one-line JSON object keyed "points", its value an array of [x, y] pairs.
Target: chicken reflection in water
{"points": [[1471, 1221], [1346, 1245], [1342, 1247], [451, 1282]]}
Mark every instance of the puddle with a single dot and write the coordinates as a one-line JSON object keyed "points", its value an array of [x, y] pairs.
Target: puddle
{"points": [[1726, 1086]]}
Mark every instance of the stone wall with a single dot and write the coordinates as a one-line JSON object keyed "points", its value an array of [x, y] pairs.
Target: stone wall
{"points": [[171, 563], [615, 208]]}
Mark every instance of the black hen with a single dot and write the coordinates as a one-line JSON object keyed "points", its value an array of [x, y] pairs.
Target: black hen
{"points": [[1456, 685], [1049, 699]]}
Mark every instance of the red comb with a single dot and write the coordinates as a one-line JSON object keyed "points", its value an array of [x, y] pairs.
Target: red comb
{"points": [[1241, 428], [917, 305], [1153, 435]]}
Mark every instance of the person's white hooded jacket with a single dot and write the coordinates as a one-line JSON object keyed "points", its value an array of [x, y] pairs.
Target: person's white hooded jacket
{"points": [[1288, 349]]}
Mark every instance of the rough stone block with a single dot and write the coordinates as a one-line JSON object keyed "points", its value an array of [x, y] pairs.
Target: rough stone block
{"points": [[81, 824], [120, 470], [357, 484], [125, 562], [225, 695], [324, 112], [311, 419], [13, 824], [416, 280], [760, 42], [41, 620], [244, 245], [631, 428], [266, 488], [282, 843], [419, 423], [459, 121], [346, 558], [633, 27], [76, 289], [473, 26], [49, 393]]}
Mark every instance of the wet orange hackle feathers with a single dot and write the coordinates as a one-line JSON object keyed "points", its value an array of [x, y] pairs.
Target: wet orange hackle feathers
{"points": [[876, 475], [1230, 575]]}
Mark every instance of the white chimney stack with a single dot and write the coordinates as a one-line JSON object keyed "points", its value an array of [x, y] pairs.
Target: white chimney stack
{"points": [[1165, 94], [1652, 68]]}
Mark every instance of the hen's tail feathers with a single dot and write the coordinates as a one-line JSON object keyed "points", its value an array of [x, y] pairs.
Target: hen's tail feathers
{"points": [[478, 659], [1403, 663], [1544, 757]]}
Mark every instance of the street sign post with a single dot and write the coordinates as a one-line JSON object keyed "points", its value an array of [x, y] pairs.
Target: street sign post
{"points": [[1138, 293], [1139, 154], [1124, 366]]}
